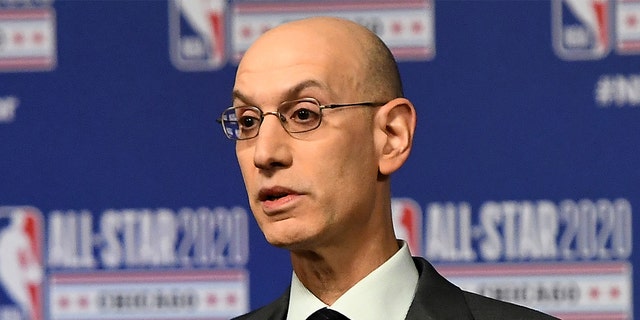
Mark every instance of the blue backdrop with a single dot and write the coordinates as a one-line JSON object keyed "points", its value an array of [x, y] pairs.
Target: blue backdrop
{"points": [[120, 198]]}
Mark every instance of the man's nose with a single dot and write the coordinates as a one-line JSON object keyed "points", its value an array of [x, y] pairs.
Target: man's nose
{"points": [[272, 148]]}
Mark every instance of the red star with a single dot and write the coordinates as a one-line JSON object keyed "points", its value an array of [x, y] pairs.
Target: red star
{"points": [[63, 302], [396, 27], [83, 301], [38, 37], [18, 38], [614, 292], [594, 293], [232, 299], [632, 20], [212, 299], [417, 27], [246, 32]]}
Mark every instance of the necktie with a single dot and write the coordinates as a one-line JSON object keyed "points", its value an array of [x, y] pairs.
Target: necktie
{"points": [[327, 314]]}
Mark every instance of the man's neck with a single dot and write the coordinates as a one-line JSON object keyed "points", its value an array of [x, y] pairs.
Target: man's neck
{"points": [[328, 273]]}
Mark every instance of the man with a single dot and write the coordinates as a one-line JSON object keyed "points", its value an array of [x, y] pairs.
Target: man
{"points": [[321, 123]]}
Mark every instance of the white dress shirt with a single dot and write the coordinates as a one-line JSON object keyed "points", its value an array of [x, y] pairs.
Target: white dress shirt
{"points": [[386, 293]]}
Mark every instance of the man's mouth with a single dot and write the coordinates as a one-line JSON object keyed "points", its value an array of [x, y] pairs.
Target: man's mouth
{"points": [[277, 199], [273, 194]]}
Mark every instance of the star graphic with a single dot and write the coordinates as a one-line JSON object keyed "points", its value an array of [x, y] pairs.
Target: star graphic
{"points": [[631, 20], [417, 27], [594, 293], [212, 299], [396, 27], [246, 32], [18, 38], [38, 37], [83, 302], [232, 299], [63, 302], [614, 292]]}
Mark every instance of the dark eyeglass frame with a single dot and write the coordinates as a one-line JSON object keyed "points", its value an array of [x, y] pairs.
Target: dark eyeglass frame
{"points": [[283, 120]]}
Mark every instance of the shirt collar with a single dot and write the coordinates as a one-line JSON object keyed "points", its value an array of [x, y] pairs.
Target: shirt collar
{"points": [[386, 293]]}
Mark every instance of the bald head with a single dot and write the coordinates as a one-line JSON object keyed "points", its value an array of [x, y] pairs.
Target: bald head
{"points": [[358, 60]]}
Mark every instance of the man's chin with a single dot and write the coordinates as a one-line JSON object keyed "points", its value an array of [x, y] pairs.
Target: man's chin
{"points": [[291, 243], [279, 242]]}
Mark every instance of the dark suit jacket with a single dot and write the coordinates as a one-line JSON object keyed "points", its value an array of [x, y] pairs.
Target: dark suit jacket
{"points": [[435, 299]]}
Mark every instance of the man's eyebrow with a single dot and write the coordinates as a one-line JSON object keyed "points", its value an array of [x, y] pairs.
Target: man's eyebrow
{"points": [[295, 90], [238, 95], [290, 93]]}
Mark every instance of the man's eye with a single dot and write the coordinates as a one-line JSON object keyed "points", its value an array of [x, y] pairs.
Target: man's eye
{"points": [[248, 122], [304, 115]]}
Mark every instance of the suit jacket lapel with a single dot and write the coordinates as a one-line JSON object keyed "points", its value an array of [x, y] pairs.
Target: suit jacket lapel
{"points": [[276, 310], [436, 298]]}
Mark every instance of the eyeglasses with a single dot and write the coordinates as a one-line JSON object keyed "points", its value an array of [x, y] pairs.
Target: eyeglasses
{"points": [[296, 116]]}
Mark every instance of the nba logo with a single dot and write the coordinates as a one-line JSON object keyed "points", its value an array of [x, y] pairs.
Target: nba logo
{"points": [[21, 268], [407, 223], [197, 34], [581, 29]]}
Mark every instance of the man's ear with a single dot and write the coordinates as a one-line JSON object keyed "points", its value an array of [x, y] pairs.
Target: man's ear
{"points": [[395, 125]]}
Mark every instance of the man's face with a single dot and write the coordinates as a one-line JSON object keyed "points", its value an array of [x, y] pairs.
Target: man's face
{"points": [[315, 188]]}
